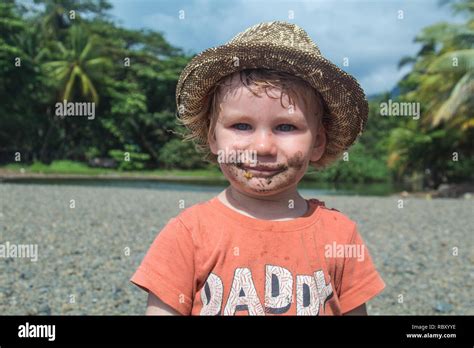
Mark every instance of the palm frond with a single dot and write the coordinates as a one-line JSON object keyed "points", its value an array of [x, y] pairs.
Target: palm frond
{"points": [[461, 61], [461, 93]]}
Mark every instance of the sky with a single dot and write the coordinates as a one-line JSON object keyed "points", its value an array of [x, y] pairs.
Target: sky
{"points": [[373, 34]]}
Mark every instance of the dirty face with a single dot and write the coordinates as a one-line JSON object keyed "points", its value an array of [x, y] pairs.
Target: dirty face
{"points": [[273, 144]]}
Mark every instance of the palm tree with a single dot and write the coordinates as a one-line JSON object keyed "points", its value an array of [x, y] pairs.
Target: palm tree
{"points": [[80, 67], [442, 81], [444, 78], [76, 73], [456, 111]]}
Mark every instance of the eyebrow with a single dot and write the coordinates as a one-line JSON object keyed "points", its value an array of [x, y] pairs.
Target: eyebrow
{"points": [[296, 116]]}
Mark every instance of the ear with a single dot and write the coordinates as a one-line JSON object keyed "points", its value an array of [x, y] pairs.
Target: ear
{"points": [[319, 144]]}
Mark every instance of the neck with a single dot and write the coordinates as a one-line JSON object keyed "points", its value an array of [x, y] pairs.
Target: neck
{"points": [[282, 206]]}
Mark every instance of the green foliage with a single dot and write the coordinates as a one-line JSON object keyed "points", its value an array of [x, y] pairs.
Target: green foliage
{"points": [[80, 68], [83, 60], [130, 158], [179, 154], [359, 167], [131, 77], [92, 152], [435, 151], [442, 81]]}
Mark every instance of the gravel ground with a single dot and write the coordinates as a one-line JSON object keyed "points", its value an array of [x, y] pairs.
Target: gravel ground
{"points": [[84, 266]]}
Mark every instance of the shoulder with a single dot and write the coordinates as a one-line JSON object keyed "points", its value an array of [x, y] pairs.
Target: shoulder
{"points": [[196, 221], [197, 224], [193, 214], [335, 224]]}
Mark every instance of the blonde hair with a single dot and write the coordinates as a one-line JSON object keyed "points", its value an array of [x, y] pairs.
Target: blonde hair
{"points": [[292, 86]]}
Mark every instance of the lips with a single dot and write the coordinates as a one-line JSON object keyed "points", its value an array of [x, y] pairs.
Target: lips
{"points": [[263, 171]]}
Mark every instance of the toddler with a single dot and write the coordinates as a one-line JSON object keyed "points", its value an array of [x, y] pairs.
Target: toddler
{"points": [[264, 107]]}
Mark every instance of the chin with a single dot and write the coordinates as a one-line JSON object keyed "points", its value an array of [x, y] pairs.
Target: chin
{"points": [[262, 192]]}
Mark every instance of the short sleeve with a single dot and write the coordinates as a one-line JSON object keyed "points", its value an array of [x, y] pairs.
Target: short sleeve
{"points": [[167, 270], [360, 280]]}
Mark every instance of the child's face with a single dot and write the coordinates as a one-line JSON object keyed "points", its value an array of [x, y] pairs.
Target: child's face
{"points": [[284, 140]]}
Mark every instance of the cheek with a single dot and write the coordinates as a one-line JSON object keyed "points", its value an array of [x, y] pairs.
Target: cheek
{"points": [[297, 161], [227, 138], [297, 144]]}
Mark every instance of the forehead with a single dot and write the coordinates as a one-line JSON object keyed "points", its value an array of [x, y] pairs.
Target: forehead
{"points": [[235, 95]]}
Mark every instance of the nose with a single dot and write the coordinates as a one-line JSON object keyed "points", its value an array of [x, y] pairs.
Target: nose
{"points": [[263, 143]]}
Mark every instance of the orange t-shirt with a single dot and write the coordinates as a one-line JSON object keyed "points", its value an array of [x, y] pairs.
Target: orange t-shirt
{"points": [[212, 260]]}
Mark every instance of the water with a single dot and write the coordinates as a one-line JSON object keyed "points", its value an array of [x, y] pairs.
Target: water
{"points": [[205, 185]]}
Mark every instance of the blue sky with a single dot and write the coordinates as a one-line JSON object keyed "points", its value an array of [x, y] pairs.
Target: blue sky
{"points": [[368, 32]]}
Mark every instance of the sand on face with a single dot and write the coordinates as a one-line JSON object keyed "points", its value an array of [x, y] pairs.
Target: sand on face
{"points": [[90, 240]]}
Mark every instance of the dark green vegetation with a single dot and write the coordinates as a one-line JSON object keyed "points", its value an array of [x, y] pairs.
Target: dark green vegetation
{"points": [[70, 50]]}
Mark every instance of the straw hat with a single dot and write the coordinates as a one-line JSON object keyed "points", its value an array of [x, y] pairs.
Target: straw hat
{"points": [[284, 47]]}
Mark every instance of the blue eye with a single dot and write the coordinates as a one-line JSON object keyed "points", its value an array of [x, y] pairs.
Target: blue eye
{"points": [[284, 127], [238, 126]]}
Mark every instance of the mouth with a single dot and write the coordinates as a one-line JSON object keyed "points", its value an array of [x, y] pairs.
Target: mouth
{"points": [[262, 171]]}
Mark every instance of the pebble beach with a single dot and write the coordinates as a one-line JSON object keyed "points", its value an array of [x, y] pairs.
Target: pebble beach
{"points": [[90, 240]]}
